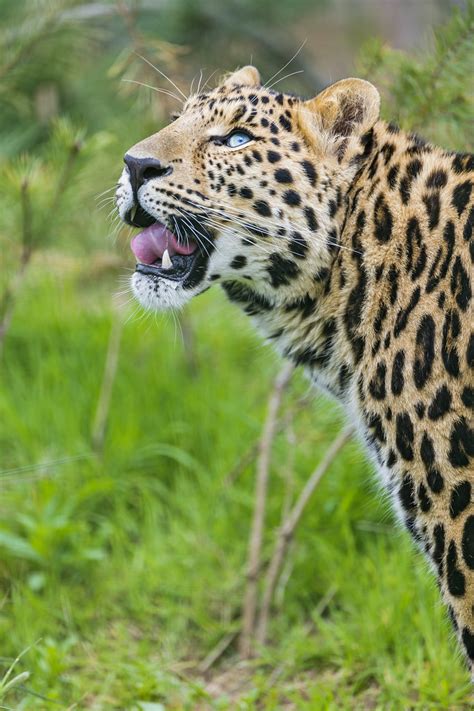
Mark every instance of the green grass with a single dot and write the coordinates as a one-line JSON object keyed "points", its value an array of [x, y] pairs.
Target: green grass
{"points": [[121, 572]]}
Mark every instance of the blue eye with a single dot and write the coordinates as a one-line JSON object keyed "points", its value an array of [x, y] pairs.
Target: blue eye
{"points": [[237, 139]]}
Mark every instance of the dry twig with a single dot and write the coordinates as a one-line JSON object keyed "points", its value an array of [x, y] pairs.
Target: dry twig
{"points": [[287, 530], [255, 544], [216, 652], [249, 455]]}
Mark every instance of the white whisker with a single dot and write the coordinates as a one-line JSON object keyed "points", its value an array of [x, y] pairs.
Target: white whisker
{"points": [[163, 75], [285, 65], [292, 74], [154, 88]]}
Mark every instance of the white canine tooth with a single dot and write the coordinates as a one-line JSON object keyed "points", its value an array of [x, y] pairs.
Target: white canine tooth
{"points": [[133, 212], [166, 262]]}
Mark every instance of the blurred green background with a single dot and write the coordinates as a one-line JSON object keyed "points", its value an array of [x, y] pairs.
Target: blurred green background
{"points": [[127, 440]]}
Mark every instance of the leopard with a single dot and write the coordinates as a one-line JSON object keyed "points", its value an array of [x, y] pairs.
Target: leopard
{"points": [[349, 243]]}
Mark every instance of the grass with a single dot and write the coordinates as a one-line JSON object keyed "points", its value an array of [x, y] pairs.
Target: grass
{"points": [[121, 572]]}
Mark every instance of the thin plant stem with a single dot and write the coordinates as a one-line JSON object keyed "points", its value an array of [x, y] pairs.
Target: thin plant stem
{"points": [[287, 530], [99, 426], [249, 610]]}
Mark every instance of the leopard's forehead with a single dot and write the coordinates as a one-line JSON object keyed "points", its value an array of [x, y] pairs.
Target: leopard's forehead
{"points": [[241, 103]]}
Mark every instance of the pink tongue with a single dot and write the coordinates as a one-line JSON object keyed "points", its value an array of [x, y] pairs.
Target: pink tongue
{"points": [[149, 245]]}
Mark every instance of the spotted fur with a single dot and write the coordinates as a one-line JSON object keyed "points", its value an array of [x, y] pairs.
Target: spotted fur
{"points": [[349, 243]]}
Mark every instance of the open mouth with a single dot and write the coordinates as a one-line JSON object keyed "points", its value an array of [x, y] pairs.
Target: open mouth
{"points": [[177, 256]]}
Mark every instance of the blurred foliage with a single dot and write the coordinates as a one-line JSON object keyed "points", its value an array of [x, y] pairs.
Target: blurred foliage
{"points": [[120, 572], [432, 93]]}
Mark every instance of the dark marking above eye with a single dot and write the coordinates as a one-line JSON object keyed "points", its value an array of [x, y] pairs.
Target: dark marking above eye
{"points": [[282, 175]]}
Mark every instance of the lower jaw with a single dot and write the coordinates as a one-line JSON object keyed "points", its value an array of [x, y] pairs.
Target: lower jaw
{"points": [[187, 271]]}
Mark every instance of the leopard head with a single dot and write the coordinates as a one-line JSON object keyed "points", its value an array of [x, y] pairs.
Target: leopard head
{"points": [[247, 186]]}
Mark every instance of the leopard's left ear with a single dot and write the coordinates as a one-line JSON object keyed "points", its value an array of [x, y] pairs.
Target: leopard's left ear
{"points": [[247, 76], [346, 110]]}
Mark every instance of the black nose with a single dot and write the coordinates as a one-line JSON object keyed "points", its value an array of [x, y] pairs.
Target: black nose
{"points": [[143, 169]]}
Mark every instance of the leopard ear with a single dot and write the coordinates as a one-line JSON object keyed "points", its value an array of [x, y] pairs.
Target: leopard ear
{"points": [[346, 110], [247, 76]]}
